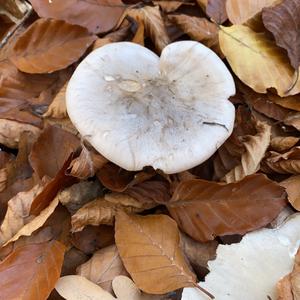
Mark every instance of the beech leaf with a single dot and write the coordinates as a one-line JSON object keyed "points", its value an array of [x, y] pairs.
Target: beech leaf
{"points": [[283, 20], [291, 185], [216, 9], [30, 272], [257, 61], [152, 256], [97, 15], [50, 45], [206, 209]]}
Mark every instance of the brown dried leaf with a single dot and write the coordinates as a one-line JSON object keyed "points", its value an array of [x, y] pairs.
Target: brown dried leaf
{"points": [[199, 29], [98, 16], [154, 25], [103, 210], [73, 259], [103, 267], [206, 209], [14, 9], [256, 147], [241, 11], [139, 36], [59, 45], [283, 20], [169, 6], [58, 109], [51, 150], [291, 102], [40, 266], [288, 288], [151, 255], [286, 163], [283, 143], [291, 186], [216, 9]]}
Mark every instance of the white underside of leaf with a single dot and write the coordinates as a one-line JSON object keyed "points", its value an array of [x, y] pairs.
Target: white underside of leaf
{"points": [[250, 269]]}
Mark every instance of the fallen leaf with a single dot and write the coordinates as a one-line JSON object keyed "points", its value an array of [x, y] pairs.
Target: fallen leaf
{"points": [[154, 25], [265, 66], [282, 163], [199, 29], [291, 186], [72, 260], [98, 16], [14, 9], [241, 11], [59, 45], [263, 256], [202, 3], [283, 20], [206, 209], [75, 196], [293, 119], [288, 287], [256, 147], [291, 102], [139, 36], [216, 9], [56, 145], [58, 109], [93, 238], [169, 6], [103, 267], [283, 143], [104, 209], [40, 266], [152, 256]]}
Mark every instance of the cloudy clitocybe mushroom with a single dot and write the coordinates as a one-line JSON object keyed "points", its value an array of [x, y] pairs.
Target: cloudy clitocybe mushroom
{"points": [[137, 110]]}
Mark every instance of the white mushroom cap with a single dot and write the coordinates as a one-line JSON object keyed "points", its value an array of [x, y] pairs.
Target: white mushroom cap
{"points": [[137, 110]]}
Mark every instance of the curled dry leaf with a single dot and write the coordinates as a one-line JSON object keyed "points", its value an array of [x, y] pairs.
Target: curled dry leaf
{"points": [[79, 194], [54, 144], [57, 109], [154, 25], [103, 267], [40, 266], [199, 29], [139, 36], [59, 45], [103, 210], [291, 102], [206, 209], [291, 185], [263, 256], [98, 16], [283, 163], [288, 287], [257, 61], [241, 11], [283, 143], [216, 10], [152, 256], [283, 20], [255, 146]]}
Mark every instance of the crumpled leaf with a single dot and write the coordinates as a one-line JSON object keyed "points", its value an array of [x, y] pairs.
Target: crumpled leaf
{"points": [[283, 20], [152, 256], [257, 61], [98, 16], [241, 11], [288, 287], [103, 267], [206, 209], [39, 265], [282, 163], [104, 209], [216, 9], [291, 185], [154, 24], [283, 143], [54, 144], [50, 45], [263, 256], [199, 29], [255, 146]]}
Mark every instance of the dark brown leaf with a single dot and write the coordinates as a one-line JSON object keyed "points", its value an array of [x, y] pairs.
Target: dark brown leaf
{"points": [[50, 45], [206, 209], [283, 20], [97, 16], [30, 272], [216, 10]]}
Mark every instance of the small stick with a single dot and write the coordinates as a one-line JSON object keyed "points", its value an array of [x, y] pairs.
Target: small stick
{"points": [[205, 291]]}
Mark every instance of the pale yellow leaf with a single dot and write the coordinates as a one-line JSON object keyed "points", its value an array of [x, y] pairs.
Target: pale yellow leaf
{"points": [[257, 61]]}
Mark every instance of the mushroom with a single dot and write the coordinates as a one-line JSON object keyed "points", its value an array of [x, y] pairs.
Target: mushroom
{"points": [[137, 110]]}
